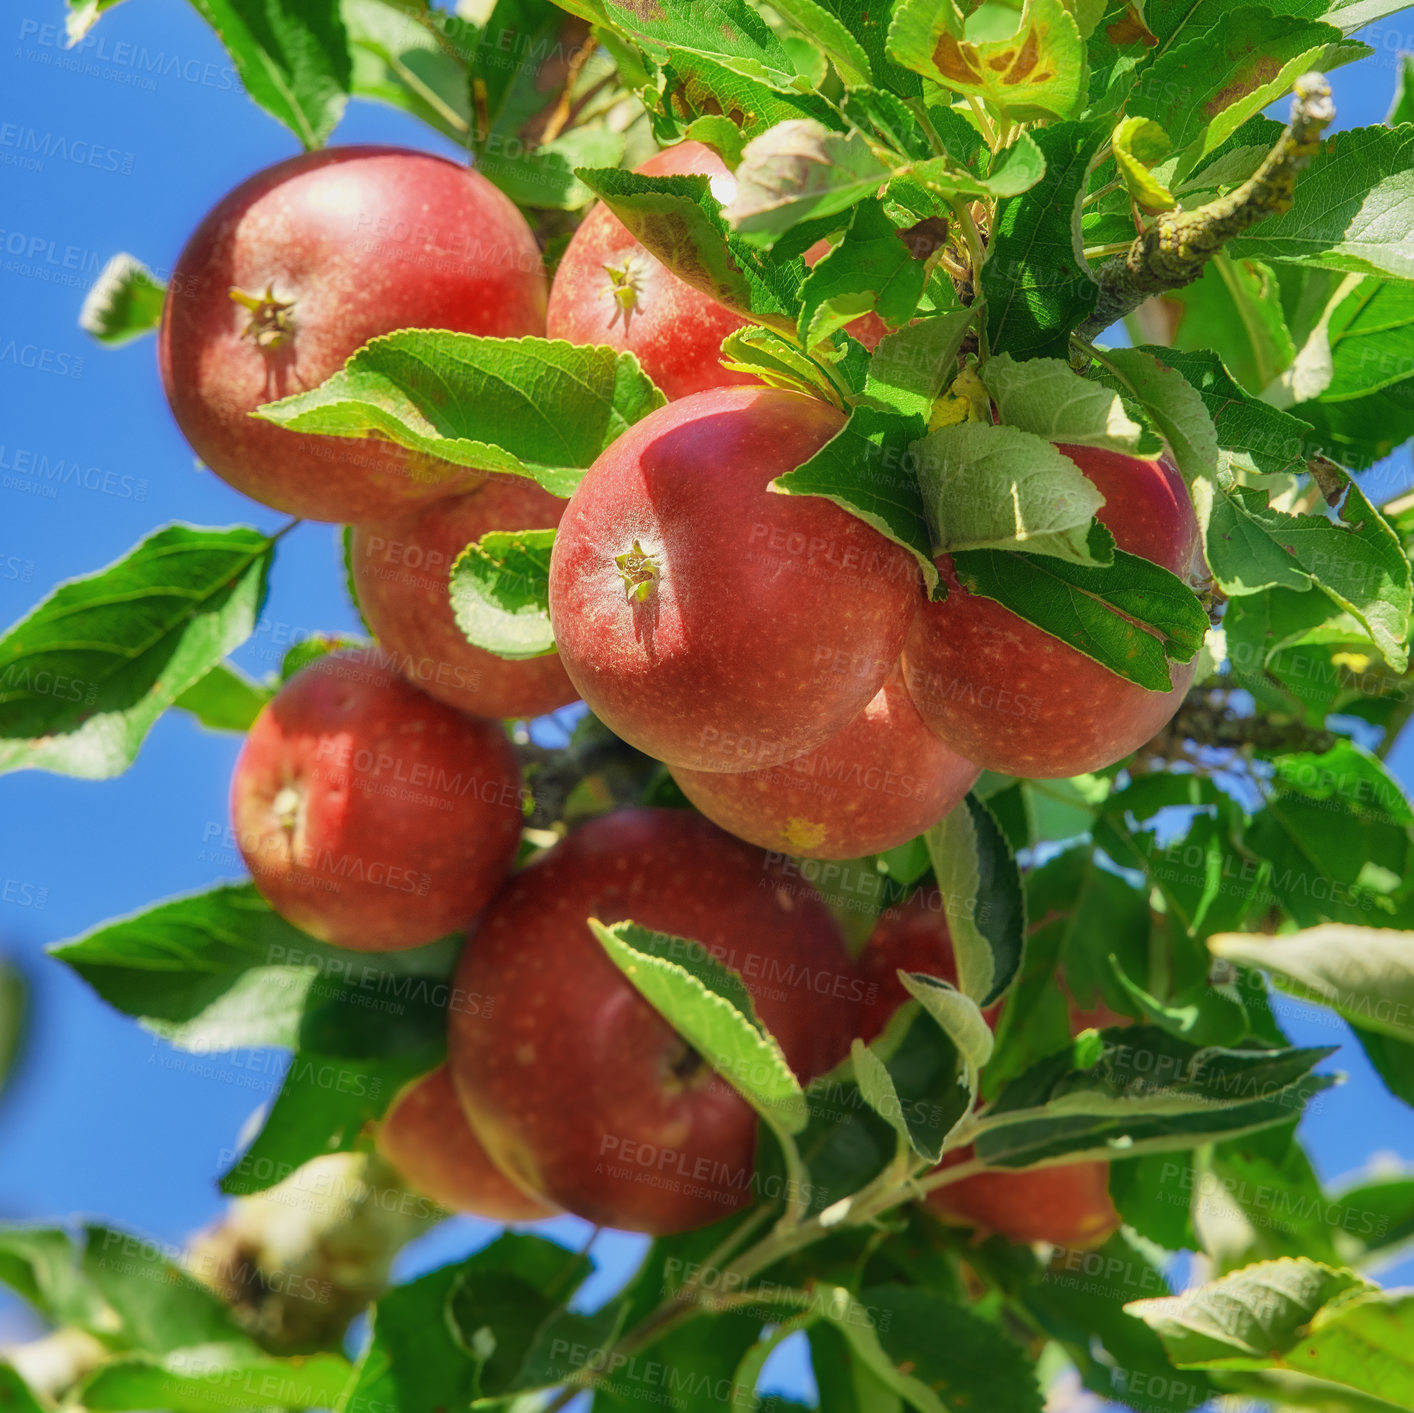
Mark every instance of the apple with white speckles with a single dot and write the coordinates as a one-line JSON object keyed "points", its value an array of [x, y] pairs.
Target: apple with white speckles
{"points": [[609, 290], [876, 784], [1007, 695], [301, 265], [370, 815], [426, 1137], [574, 1084], [710, 622]]}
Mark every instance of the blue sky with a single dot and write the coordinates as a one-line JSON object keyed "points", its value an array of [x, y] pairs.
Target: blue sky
{"points": [[102, 1119]]}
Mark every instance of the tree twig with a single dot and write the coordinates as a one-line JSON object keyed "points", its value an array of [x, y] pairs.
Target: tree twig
{"points": [[1175, 249]]}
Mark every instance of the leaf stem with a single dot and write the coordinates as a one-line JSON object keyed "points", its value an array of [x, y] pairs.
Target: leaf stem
{"points": [[983, 121]]}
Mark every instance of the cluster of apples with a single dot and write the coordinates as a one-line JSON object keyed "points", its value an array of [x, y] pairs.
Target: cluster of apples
{"points": [[775, 652]]}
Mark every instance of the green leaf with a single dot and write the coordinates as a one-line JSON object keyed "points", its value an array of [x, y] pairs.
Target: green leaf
{"points": [[124, 302], [1176, 408], [209, 1378], [1355, 560], [911, 367], [1125, 1092], [1371, 338], [1036, 282], [14, 998], [1202, 90], [15, 1395], [1081, 1305], [799, 171], [501, 593], [678, 220], [1350, 212], [223, 971], [419, 1356], [531, 57], [1139, 143], [1392, 1060], [1365, 974], [1257, 435], [325, 1104], [1015, 169], [999, 488], [916, 1076], [1097, 611], [864, 468], [780, 362], [1268, 1200], [225, 699], [294, 62], [413, 61], [1295, 1314], [870, 270], [710, 1006], [1401, 108], [87, 673], [536, 407], [1047, 397], [1234, 309], [729, 32], [1038, 72], [981, 887], [962, 1360], [126, 1291]]}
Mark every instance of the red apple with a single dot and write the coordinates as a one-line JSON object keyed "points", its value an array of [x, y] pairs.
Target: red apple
{"points": [[1068, 1205], [370, 815], [1016, 700], [876, 784], [576, 1086], [709, 622], [610, 290], [425, 1136], [400, 571], [297, 268]]}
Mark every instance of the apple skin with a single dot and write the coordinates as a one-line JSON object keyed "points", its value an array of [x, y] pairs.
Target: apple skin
{"points": [[876, 784], [576, 1086], [675, 330], [369, 815], [363, 240], [772, 620], [1068, 1205], [1016, 700], [426, 1137], [400, 571]]}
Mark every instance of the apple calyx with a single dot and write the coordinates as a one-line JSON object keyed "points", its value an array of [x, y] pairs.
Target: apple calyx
{"points": [[639, 573], [270, 324], [624, 290], [288, 810]]}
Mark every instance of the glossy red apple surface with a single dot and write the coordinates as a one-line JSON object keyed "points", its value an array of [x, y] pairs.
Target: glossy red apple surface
{"points": [[297, 268], [573, 1082], [1016, 700], [401, 569], [370, 815], [882, 780], [426, 1137], [710, 622]]}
